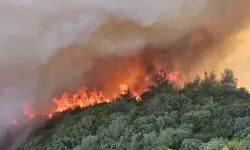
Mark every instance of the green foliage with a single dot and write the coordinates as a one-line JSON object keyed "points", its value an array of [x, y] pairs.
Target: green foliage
{"points": [[149, 140], [245, 144], [241, 123], [242, 134], [242, 93], [191, 88], [179, 103], [156, 104], [116, 128], [199, 119], [206, 114], [228, 77], [210, 86], [145, 124], [214, 144], [161, 83], [90, 142], [171, 137], [233, 145], [191, 144]]}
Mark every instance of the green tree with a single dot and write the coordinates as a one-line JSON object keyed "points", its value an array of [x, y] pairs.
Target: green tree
{"points": [[191, 144], [228, 81], [149, 140], [233, 145], [161, 83], [245, 144], [240, 124], [210, 86], [199, 119], [207, 114], [214, 144], [191, 89], [176, 102], [116, 128], [90, 142], [172, 138], [156, 105], [136, 142], [242, 93], [145, 124]]}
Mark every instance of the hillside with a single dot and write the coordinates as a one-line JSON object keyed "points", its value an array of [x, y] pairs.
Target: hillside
{"points": [[206, 114]]}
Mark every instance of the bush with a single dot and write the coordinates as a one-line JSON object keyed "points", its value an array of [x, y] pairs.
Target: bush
{"points": [[245, 144], [214, 144], [90, 142], [200, 119], [191, 144], [171, 137], [207, 114]]}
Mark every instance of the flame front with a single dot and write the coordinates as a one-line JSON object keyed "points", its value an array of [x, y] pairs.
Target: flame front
{"points": [[83, 98], [86, 97], [28, 111]]}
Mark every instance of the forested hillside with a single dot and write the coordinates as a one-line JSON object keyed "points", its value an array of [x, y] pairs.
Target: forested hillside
{"points": [[211, 113]]}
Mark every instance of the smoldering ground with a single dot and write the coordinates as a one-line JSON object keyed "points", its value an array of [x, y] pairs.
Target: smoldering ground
{"points": [[49, 47]]}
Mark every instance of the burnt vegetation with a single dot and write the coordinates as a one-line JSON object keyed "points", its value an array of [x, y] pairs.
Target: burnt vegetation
{"points": [[206, 114]]}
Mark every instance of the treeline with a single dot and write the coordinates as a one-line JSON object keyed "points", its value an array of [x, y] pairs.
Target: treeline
{"points": [[206, 114]]}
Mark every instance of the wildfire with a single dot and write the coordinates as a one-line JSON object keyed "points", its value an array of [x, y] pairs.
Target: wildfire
{"points": [[14, 122], [82, 98], [125, 87], [85, 97], [174, 76], [28, 111]]}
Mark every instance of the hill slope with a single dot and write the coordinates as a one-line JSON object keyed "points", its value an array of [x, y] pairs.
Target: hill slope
{"points": [[206, 114]]}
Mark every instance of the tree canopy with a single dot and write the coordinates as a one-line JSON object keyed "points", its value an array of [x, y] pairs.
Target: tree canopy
{"points": [[206, 114]]}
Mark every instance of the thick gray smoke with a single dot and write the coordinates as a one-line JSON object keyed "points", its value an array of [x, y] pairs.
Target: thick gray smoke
{"points": [[34, 31], [49, 45]]}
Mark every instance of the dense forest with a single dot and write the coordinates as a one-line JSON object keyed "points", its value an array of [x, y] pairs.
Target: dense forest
{"points": [[209, 113]]}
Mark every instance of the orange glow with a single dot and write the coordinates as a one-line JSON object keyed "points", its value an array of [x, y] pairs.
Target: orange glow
{"points": [[86, 97], [174, 76], [14, 122], [28, 111], [124, 88], [50, 116], [83, 98]]}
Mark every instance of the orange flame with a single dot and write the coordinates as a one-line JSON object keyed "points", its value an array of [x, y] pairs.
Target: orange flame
{"points": [[83, 98], [14, 122], [173, 76], [125, 87], [28, 111]]}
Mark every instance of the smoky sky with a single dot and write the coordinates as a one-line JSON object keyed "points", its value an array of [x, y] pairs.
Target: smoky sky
{"points": [[51, 46]]}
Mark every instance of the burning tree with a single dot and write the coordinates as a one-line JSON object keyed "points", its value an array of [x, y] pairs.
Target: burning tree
{"points": [[161, 82]]}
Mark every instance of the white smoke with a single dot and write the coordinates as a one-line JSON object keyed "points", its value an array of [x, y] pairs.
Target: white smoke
{"points": [[46, 44], [31, 31]]}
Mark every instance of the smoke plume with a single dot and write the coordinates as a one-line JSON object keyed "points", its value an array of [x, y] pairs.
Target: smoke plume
{"points": [[52, 46]]}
